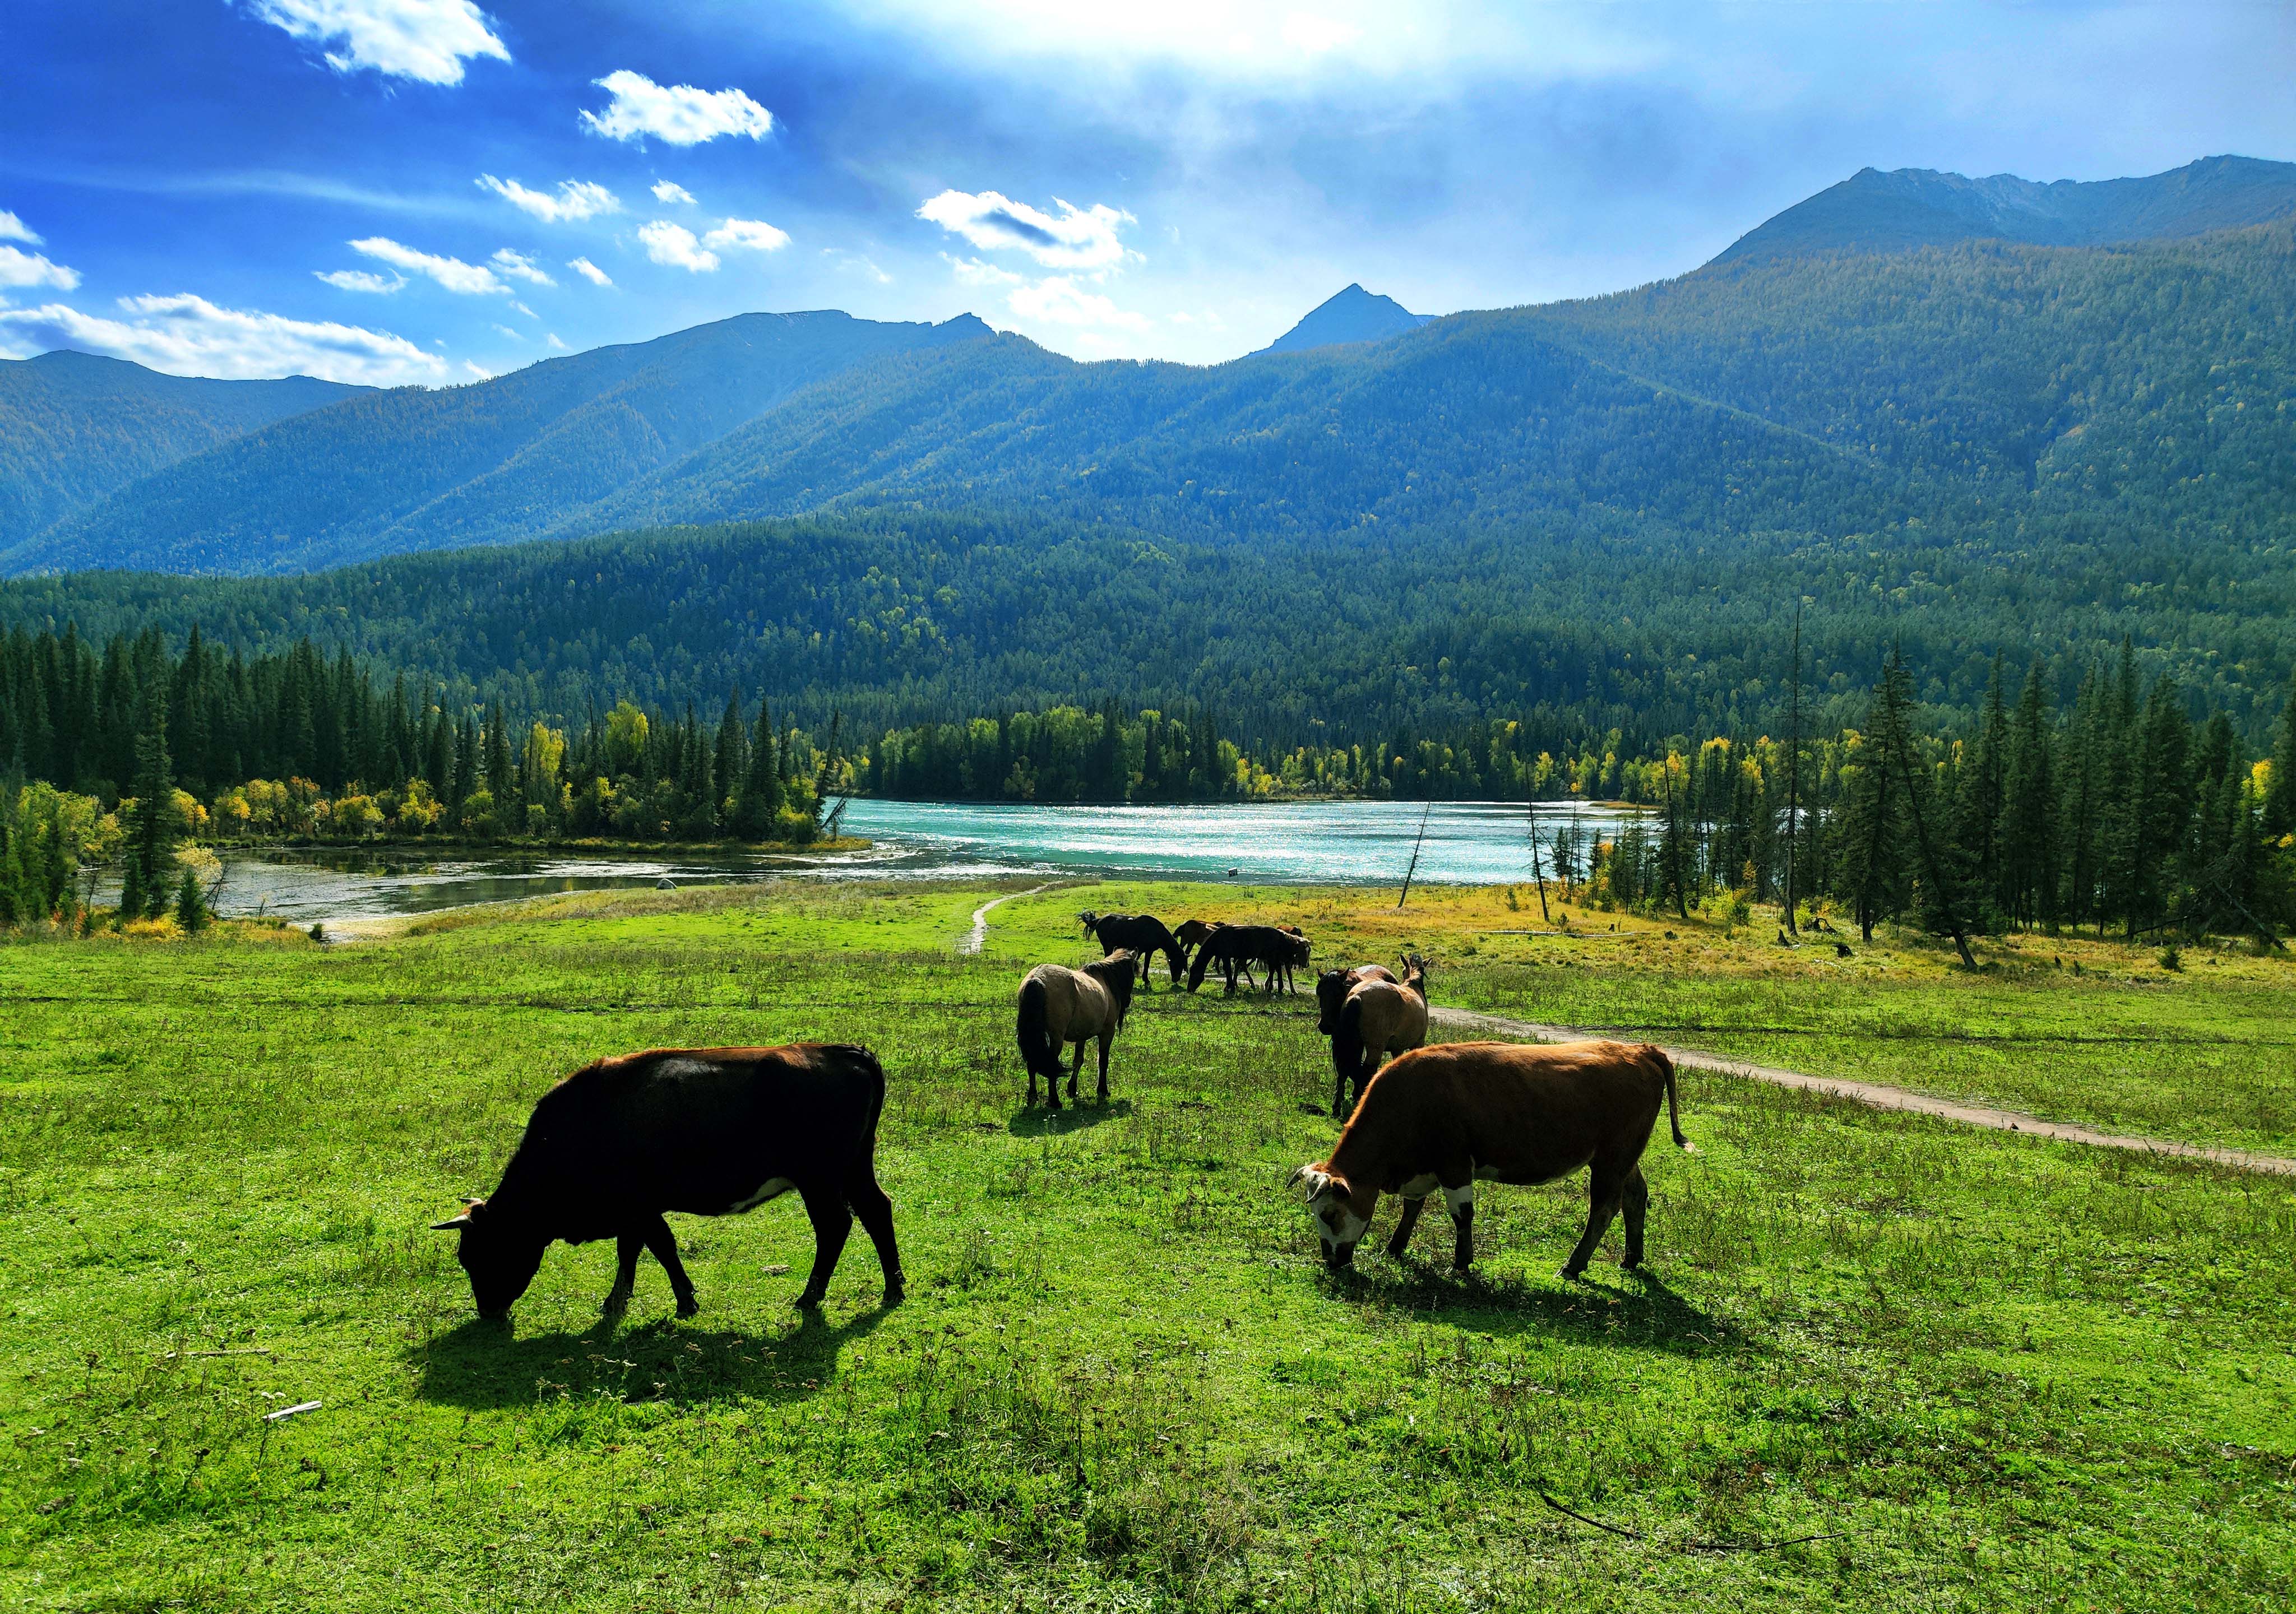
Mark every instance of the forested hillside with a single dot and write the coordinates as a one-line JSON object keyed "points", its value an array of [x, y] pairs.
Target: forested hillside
{"points": [[500, 460], [1568, 624], [74, 427]]}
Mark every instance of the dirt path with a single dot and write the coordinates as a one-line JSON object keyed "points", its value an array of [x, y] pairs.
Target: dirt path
{"points": [[977, 937], [1884, 1097]]}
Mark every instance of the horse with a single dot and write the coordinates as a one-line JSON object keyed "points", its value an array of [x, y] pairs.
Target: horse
{"points": [[1377, 1018], [1144, 933], [1236, 948], [1059, 1006]]}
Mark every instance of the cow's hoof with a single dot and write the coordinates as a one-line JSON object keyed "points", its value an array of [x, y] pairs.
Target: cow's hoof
{"points": [[808, 1301], [1572, 1274], [615, 1305], [895, 1293], [688, 1306]]}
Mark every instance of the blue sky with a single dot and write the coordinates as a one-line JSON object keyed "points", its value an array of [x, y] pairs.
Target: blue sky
{"points": [[428, 191]]}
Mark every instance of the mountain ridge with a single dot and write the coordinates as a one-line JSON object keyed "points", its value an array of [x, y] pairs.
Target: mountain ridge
{"points": [[1348, 316]]}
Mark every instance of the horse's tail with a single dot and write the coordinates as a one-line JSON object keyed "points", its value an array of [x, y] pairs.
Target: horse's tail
{"points": [[1036, 1036], [1347, 1041]]}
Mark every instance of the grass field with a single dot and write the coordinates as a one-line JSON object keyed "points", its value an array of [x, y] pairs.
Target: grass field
{"points": [[1983, 1370]]}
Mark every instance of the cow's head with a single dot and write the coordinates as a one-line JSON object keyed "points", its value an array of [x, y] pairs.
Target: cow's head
{"points": [[500, 1257], [1340, 1221], [1331, 989], [1089, 919]]}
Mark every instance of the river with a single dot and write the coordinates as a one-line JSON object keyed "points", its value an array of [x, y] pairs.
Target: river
{"points": [[1287, 843]]}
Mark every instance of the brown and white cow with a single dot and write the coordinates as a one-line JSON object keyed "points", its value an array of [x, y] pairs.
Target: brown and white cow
{"points": [[1456, 1114]]}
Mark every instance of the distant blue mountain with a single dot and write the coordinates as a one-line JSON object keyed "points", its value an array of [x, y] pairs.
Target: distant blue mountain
{"points": [[1872, 211], [1354, 315]]}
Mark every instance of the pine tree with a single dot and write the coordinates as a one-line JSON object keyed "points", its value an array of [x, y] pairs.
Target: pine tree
{"points": [[2028, 830], [730, 764], [1982, 797], [2280, 790], [152, 830]]}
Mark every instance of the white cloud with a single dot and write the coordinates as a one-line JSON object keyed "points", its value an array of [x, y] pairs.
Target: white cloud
{"points": [[589, 271], [1314, 36], [1061, 301], [1078, 239], [517, 265], [973, 272], [20, 270], [754, 234], [677, 113], [469, 280], [361, 280], [674, 246], [425, 40], [554, 342], [668, 190], [12, 229], [522, 309], [188, 335], [855, 260], [478, 370], [513, 335], [577, 199]]}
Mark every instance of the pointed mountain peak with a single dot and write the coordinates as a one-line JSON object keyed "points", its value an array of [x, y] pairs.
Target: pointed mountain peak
{"points": [[1352, 315]]}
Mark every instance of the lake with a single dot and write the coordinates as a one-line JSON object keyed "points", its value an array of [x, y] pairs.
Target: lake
{"points": [[1284, 843]]}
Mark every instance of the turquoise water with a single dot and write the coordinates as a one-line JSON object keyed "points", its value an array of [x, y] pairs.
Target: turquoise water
{"points": [[1292, 843]]}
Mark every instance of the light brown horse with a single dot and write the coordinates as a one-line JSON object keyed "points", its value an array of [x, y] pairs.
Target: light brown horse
{"points": [[1059, 1006], [1379, 1018]]}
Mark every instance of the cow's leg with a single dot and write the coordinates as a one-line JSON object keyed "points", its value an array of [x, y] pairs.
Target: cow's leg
{"points": [[833, 1223], [1107, 1035], [1637, 1204], [1604, 1189], [1076, 1070], [1401, 1241], [664, 1245], [1461, 1199], [627, 1250], [868, 1200]]}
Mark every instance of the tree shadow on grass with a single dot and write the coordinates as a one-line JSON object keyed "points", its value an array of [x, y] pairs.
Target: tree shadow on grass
{"points": [[1636, 1310], [1035, 1122], [487, 1365]]}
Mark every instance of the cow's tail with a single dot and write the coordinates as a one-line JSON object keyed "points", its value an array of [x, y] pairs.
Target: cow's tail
{"points": [[1673, 1115], [1036, 1033]]}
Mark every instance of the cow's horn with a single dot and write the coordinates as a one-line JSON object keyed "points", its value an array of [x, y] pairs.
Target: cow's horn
{"points": [[451, 1222]]}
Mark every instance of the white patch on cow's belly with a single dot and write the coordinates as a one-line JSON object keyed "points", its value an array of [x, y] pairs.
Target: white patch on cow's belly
{"points": [[774, 1189], [1461, 1196], [1418, 1187]]}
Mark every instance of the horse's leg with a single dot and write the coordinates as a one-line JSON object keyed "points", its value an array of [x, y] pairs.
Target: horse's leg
{"points": [[1076, 1070]]}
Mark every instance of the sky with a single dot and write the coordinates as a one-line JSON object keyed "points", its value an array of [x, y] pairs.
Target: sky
{"points": [[433, 191]]}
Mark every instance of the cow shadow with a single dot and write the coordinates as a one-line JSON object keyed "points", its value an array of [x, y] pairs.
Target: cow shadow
{"points": [[485, 1365], [1636, 1309], [1036, 1121]]}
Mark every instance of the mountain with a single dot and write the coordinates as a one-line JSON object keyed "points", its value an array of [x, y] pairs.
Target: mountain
{"points": [[1872, 211], [1353, 315], [415, 469], [74, 427]]}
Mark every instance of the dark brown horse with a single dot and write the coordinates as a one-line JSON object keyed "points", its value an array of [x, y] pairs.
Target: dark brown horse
{"points": [[1143, 934]]}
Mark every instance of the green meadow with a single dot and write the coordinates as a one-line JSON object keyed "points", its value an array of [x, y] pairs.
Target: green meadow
{"points": [[1875, 1360]]}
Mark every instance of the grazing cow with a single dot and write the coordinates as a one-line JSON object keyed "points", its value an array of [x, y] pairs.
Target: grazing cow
{"points": [[1143, 934], [1456, 1114], [1059, 1006], [701, 1131], [1376, 1018], [1276, 949]]}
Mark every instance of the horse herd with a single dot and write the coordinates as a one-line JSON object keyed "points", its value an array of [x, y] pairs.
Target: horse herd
{"points": [[720, 1131]]}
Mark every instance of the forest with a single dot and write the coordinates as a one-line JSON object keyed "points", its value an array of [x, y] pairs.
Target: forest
{"points": [[131, 751], [2119, 810]]}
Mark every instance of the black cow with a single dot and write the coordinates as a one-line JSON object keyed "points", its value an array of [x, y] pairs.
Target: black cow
{"points": [[702, 1131]]}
